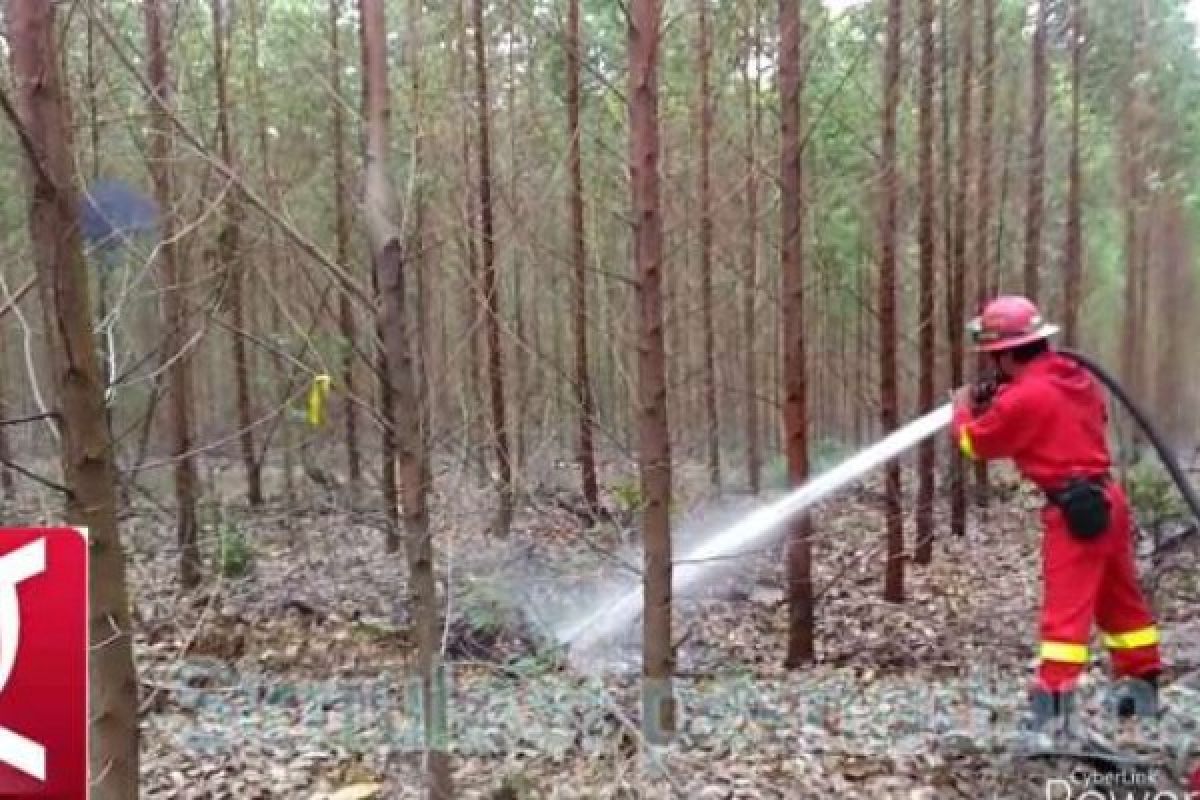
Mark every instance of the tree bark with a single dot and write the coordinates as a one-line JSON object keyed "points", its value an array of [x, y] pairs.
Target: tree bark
{"points": [[1073, 278], [1134, 179], [274, 271], [958, 273], [87, 451], [1037, 156], [750, 274], [418, 242], [161, 157], [346, 323], [706, 102], [491, 295], [800, 646], [888, 230], [472, 298], [654, 450], [230, 258], [387, 245], [983, 226], [583, 384], [926, 457]]}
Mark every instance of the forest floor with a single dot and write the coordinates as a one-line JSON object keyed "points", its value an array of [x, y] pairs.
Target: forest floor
{"points": [[294, 679]]}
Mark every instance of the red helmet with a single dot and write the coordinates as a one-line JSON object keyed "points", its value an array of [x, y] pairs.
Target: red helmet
{"points": [[1006, 322]]}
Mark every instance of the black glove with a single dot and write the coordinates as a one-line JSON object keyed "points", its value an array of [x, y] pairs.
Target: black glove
{"points": [[982, 394]]}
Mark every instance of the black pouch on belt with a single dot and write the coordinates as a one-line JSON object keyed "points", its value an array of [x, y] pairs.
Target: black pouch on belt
{"points": [[1085, 506]]}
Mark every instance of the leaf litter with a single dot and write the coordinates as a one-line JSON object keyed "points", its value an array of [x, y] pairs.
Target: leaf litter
{"points": [[296, 680]]}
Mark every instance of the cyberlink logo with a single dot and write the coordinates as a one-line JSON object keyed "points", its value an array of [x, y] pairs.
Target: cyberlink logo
{"points": [[1131, 784], [20, 565]]}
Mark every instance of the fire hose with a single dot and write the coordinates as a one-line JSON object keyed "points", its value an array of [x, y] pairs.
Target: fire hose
{"points": [[1178, 477]]}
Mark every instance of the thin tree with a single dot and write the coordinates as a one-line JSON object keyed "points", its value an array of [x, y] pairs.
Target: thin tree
{"points": [[521, 358], [230, 256], [387, 246], [706, 102], [175, 337], [654, 450], [888, 230], [984, 222], [491, 295], [1037, 155], [275, 269], [472, 297], [41, 119], [1073, 266], [958, 272], [753, 82], [800, 646], [417, 238], [341, 224], [1135, 120], [926, 457], [583, 384]]}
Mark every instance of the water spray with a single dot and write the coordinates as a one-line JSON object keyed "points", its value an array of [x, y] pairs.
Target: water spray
{"points": [[752, 531], [762, 525]]}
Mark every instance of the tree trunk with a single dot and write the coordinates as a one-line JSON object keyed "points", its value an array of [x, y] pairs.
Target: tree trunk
{"points": [[800, 646], [230, 258], [926, 457], [472, 298], [750, 275], [654, 450], [1037, 156], [342, 254], [6, 478], [583, 385], [983, 226], [958, 272], [491, 295], [161, 157], [273, 272], [1132, 350], [87, 451], [706, 102], [420, 256], [1073, 278], [387, 245], [888, 230]]}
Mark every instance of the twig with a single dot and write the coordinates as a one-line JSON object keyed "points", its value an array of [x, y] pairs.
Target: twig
{"points": [[34, 418], [33, 476], [16, 296]]}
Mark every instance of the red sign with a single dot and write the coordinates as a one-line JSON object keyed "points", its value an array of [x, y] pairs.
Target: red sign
{"points": [[43, 663]]}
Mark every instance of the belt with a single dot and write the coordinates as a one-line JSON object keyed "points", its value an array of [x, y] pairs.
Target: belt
{"points": [[1098, 479]]}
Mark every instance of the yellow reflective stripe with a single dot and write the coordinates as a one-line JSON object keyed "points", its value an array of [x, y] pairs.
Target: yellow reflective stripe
{"points": [[965, 444], [1131, 639], [1064, 652]]}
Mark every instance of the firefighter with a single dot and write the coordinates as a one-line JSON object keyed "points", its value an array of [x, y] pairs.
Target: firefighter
{"points": [[1046, 413]]}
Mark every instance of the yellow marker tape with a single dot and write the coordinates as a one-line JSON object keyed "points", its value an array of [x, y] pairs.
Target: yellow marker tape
{"points": [[316, 400]]}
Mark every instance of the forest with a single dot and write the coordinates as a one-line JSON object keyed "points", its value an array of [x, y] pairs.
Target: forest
{"points": [[388, 350]]}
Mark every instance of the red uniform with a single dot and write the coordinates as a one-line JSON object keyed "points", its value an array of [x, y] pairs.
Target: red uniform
{"points": [[1051, 421]]}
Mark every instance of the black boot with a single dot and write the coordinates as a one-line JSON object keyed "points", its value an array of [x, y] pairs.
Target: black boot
{"points": [[1136, 697], [1048, 722]]}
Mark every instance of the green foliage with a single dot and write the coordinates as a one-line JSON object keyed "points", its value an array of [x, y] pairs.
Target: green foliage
{"points": [[486, 607], [826, 453], [235, 556], [627, 491], [1153, 495]]}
